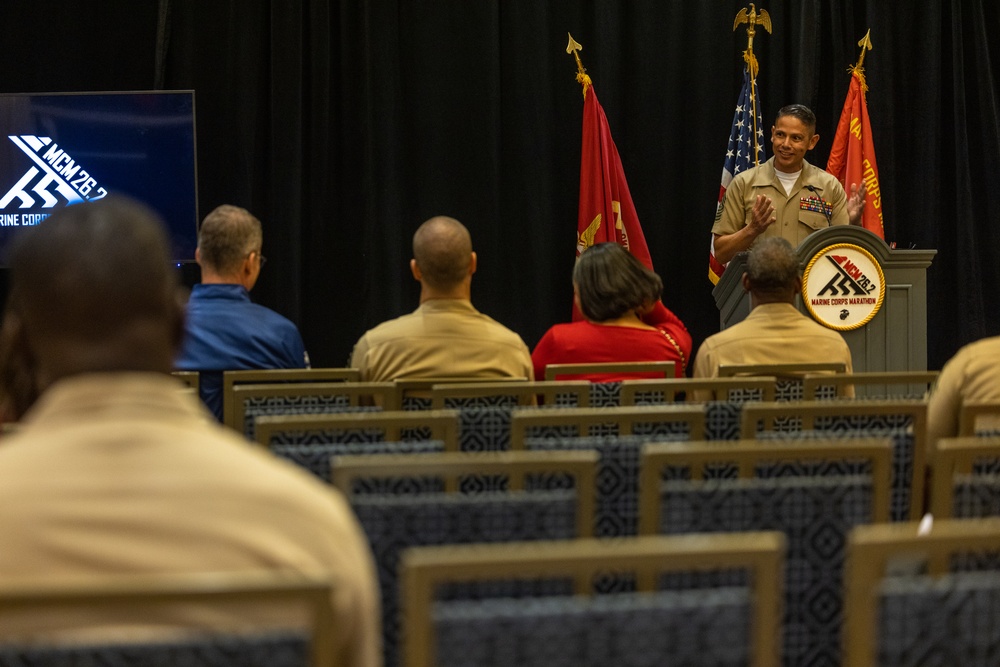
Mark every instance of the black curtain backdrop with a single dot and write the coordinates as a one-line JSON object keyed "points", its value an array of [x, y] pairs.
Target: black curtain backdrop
{"points": [[344, 124]]}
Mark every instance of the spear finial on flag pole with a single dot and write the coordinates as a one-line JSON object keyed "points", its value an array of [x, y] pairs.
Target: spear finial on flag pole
{"points": [[582, 77], [866, 45]]}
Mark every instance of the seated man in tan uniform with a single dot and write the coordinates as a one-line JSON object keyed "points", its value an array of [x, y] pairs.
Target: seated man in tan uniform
{"points": [[117, 469], [446, 336], [774, 332], [973, 374]]}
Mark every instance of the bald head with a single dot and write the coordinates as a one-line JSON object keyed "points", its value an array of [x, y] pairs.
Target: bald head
{"points": [[442, 253], [91, 290], [772, 273]]}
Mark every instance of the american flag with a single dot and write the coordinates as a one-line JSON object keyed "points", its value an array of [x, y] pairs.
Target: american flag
{"points": [[745, 150]]}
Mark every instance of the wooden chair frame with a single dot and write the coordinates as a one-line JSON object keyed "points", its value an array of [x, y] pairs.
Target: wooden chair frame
{"points": [[971, 411], [954, 456], [871, 549], [717, 387], [208, 588], [453, 465], [808, 411], [279, 375], [443, 424], [747, 454], [625, 417], [668, 368], [358, 393], [527, 393], [812, 382], [190, 378], [780, 370], [424, 568]]}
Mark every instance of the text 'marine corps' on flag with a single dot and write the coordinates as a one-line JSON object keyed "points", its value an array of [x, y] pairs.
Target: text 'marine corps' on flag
{"points": [[745, 150], [852, 156]]}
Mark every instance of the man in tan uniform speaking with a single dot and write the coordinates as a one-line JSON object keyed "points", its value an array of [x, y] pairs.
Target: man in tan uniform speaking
{"points": [[446, 336], [774, 332], [117, 469], [786, 196]]}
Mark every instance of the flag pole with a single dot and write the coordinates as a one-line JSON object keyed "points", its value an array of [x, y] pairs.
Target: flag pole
{"points": [[866, 45], [582, 77], [753, 19]]}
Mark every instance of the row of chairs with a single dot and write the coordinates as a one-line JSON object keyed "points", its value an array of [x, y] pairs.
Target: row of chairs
{"points": [[306, 389], [912, 598]]}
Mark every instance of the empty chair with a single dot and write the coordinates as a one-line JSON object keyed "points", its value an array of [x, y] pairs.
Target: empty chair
{"points": [[916, 598], [813, 491], [606, 377], [256, 400], [736, 389], [667, 421], [198, 619], [790, 376], [894, 384], [454, 498], [675, 618], [904, 420], [374, 426], [965, 478], [278, 375]]}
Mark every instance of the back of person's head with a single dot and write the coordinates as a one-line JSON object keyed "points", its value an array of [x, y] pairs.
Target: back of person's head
{"points": [[799, 111], [442, 250], [773, 270], [227, 236], [610, 282], [91, 290]]}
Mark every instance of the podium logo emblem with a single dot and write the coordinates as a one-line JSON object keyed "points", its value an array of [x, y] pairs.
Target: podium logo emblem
{"points": [[843, 286]]}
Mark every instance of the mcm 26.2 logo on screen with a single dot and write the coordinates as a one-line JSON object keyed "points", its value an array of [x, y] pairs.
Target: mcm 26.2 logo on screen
{"points": [[58, 150]]}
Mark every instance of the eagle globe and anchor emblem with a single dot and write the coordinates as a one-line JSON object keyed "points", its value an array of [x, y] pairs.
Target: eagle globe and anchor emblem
{"points": [[843, 286]]}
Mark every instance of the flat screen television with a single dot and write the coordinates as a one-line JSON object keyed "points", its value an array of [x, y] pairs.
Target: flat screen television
{"points": [[60, 149]]}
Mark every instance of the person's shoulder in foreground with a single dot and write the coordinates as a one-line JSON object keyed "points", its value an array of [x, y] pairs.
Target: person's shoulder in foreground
{"points": [[625, 321], [446, 336], [973, 374], [115, 467]]}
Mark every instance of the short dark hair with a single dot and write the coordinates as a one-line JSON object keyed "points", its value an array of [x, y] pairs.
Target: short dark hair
{"points": [[772, 267], [800, 111], [91, 269], [442, 248], [611, 282], [227, 235]]}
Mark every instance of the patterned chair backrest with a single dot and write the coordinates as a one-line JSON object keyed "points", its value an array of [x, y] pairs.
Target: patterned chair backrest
{"points": [[794, 488], [317, 457], [73, 622], [569, 393], [542, 496], [250, 401], [680, 626], [365, 426], [894, 384], [733, 389], [910, 601], [278, 376], [416, 393], [856, 418], [965, 483], [668, 421], [789, 376]]}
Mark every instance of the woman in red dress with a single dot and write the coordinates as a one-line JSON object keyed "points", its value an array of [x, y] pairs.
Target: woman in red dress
{"points": [[625, 319]]}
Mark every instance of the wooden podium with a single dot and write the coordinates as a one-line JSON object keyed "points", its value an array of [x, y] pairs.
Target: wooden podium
{"points": [[895, 337]]}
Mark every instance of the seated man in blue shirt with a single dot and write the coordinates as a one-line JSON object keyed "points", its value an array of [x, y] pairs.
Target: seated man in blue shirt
{"points": [[224, 329]]}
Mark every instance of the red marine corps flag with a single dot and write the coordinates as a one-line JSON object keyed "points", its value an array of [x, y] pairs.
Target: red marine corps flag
{"points": [[852, 156], [606, 210]]}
